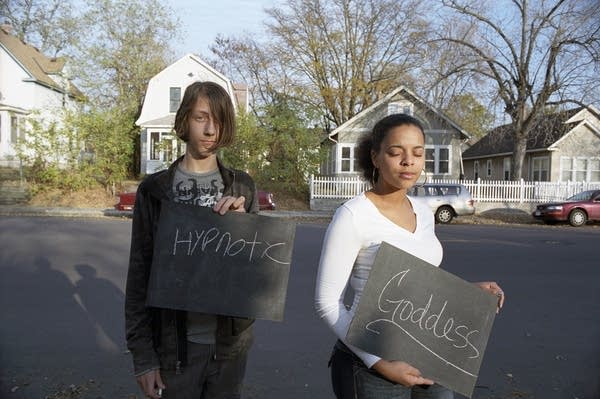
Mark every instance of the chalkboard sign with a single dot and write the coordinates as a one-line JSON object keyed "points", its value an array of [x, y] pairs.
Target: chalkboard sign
{"points": [[413, 311], [235, 264]]}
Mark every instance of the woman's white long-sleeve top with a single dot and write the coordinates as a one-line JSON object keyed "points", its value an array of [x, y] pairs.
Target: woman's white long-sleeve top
{"points": [[349, 248]]}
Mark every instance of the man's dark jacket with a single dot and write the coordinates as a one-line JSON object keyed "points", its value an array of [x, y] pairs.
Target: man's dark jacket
{"points": [[156, 337]]}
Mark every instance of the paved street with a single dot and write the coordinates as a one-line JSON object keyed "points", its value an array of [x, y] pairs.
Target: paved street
{"points": [[61, 328]]}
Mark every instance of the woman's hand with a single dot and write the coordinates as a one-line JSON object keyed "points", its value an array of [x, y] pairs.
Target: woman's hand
{"points": [[151, 384], [230, 203], [401, 373], [494, 289]]}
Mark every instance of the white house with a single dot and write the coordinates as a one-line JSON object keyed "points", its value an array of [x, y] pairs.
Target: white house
{"points": [[29, 82], [163, 96]]}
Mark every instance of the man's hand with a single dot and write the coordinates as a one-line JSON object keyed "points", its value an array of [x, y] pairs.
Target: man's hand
{"points": [[151, 383], [401, 373], [229, 203]]}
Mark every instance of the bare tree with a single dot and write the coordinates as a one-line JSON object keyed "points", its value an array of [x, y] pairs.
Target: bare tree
{"points": [[337, 56], [248, 61], [129, 42], [50, 25], [537, 54], [350, 51]]}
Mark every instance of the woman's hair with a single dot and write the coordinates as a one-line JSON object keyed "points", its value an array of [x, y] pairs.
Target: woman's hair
{"points": [[221, 109], [372, 141]]}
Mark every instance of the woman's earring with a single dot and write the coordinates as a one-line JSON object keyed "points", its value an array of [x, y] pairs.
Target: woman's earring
{"points": [[374, 177], [424, 181]]}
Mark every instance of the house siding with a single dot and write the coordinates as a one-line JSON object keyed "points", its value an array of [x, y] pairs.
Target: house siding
{"points": [[438, 132], [22, 95], [582, 142], [156, 112], [180, 74], [568, 139], [497, 168]]}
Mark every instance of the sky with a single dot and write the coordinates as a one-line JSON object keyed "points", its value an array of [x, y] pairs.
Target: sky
{"points": [[203, 20]]}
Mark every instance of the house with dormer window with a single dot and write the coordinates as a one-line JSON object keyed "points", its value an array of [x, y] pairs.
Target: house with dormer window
{"points": [[159, 146], [443, 145]]}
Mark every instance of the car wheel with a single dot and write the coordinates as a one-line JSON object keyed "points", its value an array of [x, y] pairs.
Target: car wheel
{"points": [[577, 218], [444, 214]]}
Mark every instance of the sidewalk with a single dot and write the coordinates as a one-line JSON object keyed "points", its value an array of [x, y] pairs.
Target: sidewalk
{"points": [[23, 210], [497, 216]]}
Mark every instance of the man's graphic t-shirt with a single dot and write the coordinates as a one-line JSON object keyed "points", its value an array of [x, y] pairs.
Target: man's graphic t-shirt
{"points": [[202, 189]]}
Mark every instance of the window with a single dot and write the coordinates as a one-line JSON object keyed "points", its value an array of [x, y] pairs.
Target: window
{"points": [[400, 107], [444, 160], [476, 170], [161, 146], [155, 145], [579, 169], [174, 98], [566, 167], [347, 159], [489, 168], [506, 168], [540, 168], [594, 166], [437, 160], [14, 129]]}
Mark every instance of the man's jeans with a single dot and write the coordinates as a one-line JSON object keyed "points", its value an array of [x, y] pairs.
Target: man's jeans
{"points": [[351, 379], [205, 377]]}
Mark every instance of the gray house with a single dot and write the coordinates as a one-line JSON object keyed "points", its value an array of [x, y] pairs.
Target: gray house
{"points": [[444, 138], [563, 146]]}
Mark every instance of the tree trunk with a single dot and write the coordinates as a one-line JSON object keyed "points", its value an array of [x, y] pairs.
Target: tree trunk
{"points": [[518, 157]]}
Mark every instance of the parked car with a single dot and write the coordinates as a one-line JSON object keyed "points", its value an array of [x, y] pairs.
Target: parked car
{"points": [[445, 200], [266, 201], [127, 200], [577, 210]]}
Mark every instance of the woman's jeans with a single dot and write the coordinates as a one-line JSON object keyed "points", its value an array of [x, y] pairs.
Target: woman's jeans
{"points": [[351, 379]]}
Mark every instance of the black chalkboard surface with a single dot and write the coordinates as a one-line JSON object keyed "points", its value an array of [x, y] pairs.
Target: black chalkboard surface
{"points": [[413, 311], [236, 264]]}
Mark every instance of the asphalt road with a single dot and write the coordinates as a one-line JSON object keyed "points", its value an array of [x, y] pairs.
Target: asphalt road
{"points": [[61, 327]]}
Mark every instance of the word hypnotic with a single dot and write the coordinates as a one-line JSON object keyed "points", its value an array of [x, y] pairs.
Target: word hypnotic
{"points": [[192, 242]]}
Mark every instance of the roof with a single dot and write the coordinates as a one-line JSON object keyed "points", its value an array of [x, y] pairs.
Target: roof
{"points": [[165, 121], [548, 130], [182, 73], [386, 99], [39, 66]]}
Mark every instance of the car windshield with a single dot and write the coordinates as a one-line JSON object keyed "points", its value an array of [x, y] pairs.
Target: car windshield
{"points": [[583, 196]]}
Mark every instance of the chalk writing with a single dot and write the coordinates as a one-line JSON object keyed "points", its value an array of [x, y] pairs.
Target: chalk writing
{"points": [[404, 312], [213, 239], [416, 312]]}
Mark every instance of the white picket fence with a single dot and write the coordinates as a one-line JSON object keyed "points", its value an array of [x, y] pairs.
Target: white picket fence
{"points": [[520, 191]]}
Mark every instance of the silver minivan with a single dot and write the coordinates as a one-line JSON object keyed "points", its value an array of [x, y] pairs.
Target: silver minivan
{"points": [[445, 200]]}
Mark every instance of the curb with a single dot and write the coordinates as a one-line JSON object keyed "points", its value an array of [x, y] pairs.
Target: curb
{"points": [[19, 210]]}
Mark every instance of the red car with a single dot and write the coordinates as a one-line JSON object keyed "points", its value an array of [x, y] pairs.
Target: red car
{"points": [[127, 200], [577, 210]]}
